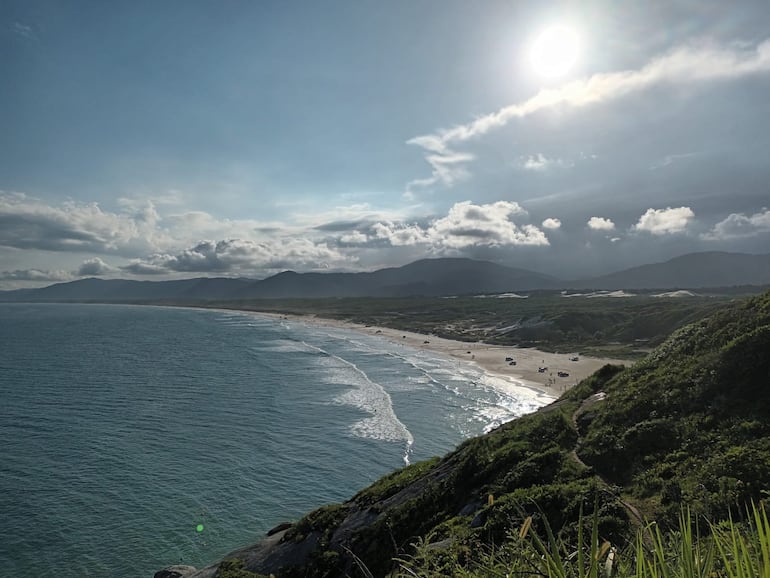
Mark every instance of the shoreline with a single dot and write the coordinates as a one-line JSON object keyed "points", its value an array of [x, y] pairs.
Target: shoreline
{"points": [[491, 359]]}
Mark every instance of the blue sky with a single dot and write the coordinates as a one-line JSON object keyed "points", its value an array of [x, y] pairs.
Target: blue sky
{"points": [[174, 139]]}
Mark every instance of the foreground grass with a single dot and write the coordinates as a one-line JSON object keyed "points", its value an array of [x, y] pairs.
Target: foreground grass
{"points": [[692, 550], [724, 550]]}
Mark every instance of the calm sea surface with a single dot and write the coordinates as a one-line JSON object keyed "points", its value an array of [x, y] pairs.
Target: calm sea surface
{"points": [[122, 429]]}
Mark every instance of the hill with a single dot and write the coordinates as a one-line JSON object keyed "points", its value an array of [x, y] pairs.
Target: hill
{"points": [[424, 278], [429, 277], [126, 291], [691, 271], [690, 424]]}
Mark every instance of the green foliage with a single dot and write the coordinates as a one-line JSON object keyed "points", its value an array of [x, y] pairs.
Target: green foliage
{"points": [[624, 328], [556, 506], [690, 422], [593, 383], [323, 520], [727, 550], [235, 568], [394, 482]]}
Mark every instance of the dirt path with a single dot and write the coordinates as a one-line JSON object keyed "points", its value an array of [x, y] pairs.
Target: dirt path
{"points": [[633, 510]]}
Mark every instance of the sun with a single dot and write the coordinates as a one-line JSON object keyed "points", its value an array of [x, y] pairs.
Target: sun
{"points": [[555, 51]]}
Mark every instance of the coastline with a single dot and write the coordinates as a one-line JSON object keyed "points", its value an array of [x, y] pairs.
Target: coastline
{"points": [[489, 358]]}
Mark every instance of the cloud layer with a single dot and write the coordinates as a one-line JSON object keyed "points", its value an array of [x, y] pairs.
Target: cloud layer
{"points": [[738, 225], [685, 65], [147, 243]]}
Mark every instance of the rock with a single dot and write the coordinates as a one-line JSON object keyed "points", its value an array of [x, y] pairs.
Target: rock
{"points": [[442, 545], [469, 509], [176, 571], [270, 554], [279, 528], [479, 520]]}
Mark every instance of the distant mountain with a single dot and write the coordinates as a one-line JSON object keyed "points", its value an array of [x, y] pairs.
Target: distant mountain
{"points": [[691, 271], [93, 289], [427, 277]]}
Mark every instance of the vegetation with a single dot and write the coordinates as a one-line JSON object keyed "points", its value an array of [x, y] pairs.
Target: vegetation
{"points": [[690, 550], [235, 568], [556, 492], [607, 327]]}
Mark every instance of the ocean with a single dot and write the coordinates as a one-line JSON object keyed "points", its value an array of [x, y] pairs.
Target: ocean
{"points": [[132, 438]]}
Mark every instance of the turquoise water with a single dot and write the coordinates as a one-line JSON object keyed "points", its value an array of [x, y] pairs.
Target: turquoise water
{"points": [[123, 428]]}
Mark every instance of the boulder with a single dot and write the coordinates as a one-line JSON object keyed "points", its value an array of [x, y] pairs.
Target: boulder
{"points": [[176, 571]]}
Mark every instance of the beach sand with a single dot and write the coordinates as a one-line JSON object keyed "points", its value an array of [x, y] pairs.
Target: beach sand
{"points": [[490, 358]]}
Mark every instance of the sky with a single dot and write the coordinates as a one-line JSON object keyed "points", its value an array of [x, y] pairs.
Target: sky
{"points": [[162, 140]]}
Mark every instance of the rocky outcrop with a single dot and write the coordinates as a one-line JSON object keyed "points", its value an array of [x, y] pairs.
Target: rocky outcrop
{"points": [[176, 571]]}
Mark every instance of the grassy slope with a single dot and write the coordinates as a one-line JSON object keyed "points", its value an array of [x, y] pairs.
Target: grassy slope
{"points": [[690, 423]]}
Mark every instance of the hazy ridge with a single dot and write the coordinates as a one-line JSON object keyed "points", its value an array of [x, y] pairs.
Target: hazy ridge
{"points": [[427, 277]]}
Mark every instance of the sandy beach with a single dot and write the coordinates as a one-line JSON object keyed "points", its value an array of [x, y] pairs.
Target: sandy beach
{"points": [[493, 359]]}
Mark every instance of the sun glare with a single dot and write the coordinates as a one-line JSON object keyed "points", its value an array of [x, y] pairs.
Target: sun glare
{"points": [[555, 51]]}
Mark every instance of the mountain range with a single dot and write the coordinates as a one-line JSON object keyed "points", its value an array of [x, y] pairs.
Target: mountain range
{"points": [[427, 277]]}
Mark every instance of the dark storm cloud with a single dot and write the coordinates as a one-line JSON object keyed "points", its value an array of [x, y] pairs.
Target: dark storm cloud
{"points": [[30, 223], [38, 232]]}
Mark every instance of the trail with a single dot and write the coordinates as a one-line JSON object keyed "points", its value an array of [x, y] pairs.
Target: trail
{"points": [[633, 510]]}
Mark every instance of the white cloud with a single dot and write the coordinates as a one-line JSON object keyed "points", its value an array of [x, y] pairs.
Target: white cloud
{"points": [[94, 267], [446, 168], [684, 65], [139, 267], [400, 234], [665, 221], [23, 30], [600, 224], [29, 223], [551, 223], [737, 225], [535, 163], [354, 238], [136, 230], [35, 275], [466, 225], [185, 228], [670, 159], [244, 257], [540, 162]]}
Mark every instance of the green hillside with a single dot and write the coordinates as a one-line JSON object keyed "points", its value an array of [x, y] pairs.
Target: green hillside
{"points": [[688, 425], [604, 327]]}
